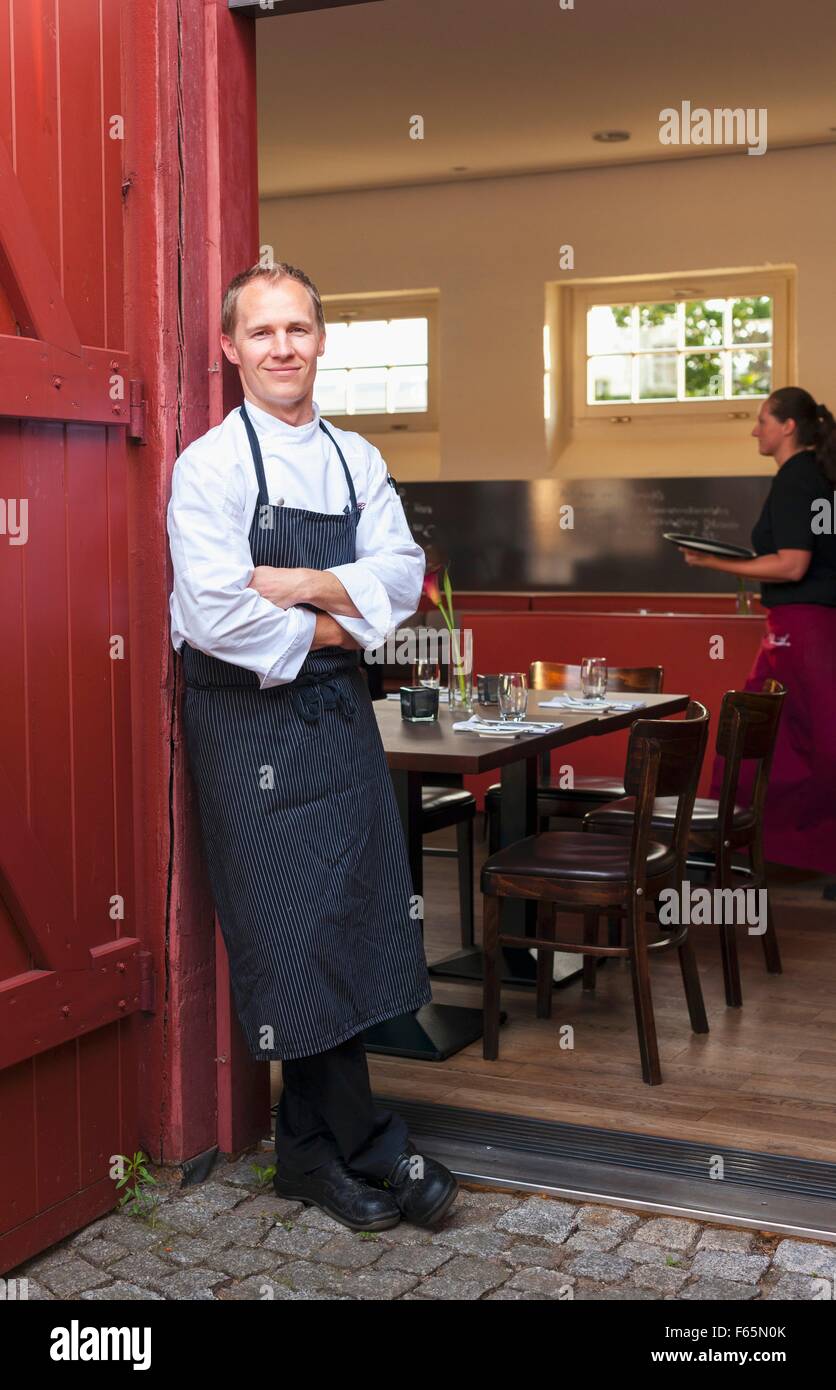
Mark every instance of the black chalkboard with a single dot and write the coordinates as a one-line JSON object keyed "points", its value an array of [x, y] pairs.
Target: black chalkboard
{"points": [[507, 536]]}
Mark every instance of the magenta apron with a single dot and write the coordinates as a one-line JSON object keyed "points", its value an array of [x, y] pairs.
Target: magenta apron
{"points": [[798, 649]]}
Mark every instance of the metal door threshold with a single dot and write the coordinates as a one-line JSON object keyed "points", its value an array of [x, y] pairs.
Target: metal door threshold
{"points": [[774, 1192]]}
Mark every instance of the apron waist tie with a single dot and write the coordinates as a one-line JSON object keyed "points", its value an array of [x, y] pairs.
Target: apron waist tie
{"points": [[312, 694]]}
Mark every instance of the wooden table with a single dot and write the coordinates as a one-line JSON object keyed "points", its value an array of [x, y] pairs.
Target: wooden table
{"points": [[439, 1030]]}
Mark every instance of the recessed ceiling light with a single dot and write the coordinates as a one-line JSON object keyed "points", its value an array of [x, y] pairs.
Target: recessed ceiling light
{"points": [[611, 137]]}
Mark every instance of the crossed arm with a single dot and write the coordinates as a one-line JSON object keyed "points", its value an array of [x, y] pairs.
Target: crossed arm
{"points": [[317, 589]]}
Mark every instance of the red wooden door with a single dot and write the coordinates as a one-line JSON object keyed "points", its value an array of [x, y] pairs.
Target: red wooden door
{"points": [[70, 962]]}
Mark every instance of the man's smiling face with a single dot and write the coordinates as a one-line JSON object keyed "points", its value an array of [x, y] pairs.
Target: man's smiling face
{"points": [[275, 345]]}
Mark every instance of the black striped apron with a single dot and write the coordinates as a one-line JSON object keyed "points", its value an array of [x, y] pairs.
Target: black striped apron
{"points": [[303, 840]]}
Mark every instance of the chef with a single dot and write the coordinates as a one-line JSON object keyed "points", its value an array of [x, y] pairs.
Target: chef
{"points": [[291, 555]]}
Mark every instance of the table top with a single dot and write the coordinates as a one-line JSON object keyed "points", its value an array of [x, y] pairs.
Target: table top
{"points": [[435, 747]]}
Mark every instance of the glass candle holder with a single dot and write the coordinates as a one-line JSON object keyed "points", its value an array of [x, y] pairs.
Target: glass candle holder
{"points": [[419, 703]]}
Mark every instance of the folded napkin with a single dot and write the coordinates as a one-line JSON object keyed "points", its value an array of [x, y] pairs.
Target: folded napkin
{"points": [[594, 706], [505, 728]]}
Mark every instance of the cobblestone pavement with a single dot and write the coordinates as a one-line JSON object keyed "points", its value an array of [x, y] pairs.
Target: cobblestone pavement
{"points": [[229, 1237]]}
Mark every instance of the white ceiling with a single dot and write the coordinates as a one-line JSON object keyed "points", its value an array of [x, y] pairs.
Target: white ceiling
{"points": [[518, 86]]}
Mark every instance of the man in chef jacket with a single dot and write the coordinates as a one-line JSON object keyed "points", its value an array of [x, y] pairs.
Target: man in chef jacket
{"points": [[291, 555]]}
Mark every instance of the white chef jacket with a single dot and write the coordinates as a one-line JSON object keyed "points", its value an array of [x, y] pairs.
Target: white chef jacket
{"points": [[214, 491]]}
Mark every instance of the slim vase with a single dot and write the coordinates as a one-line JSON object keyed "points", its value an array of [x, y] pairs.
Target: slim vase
{"points": [[460, 672]]}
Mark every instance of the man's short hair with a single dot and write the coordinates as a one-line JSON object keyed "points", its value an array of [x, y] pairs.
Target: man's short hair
{"points": [[272, 273]]}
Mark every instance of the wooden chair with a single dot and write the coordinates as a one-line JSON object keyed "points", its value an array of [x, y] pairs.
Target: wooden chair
{"points": [[588, 792], [747, 729], [605, 874]]}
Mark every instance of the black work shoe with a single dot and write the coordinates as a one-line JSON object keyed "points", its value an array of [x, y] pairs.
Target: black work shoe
{"points": [[423, 1189], [342, 1194]]}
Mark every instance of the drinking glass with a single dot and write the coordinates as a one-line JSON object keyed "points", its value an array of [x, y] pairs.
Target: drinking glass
{"points": [[594, 677], [427, 673], [513, 695]]}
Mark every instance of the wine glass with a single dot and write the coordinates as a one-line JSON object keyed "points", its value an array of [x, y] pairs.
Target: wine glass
{"points": [[427, 673]]}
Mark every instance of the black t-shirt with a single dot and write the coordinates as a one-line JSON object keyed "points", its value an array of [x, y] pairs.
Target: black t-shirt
{"points": [[787, 522]]}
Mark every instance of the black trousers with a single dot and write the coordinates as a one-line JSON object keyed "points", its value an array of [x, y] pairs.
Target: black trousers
{"points": [[326, 1111]]}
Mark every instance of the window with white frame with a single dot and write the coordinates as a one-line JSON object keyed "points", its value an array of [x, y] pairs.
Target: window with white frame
{"points": [[718, 348], [706, 343], [378, 371]]}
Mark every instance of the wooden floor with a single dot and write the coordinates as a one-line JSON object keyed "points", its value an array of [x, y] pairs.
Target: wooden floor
{"points": [[763, 1078]]}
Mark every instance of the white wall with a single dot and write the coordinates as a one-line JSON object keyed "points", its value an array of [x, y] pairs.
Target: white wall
{"points": [[491, 245]]}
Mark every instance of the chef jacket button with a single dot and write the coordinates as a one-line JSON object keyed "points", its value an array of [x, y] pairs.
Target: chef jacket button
{"points": [[279, 502]]}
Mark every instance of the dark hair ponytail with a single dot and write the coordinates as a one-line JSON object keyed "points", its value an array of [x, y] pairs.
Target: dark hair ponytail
{"points": [[814, 424]]}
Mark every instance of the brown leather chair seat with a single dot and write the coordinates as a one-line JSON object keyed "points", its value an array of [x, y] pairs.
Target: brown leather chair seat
{"points": [[573, 855], [443, 806], [619, 814]]}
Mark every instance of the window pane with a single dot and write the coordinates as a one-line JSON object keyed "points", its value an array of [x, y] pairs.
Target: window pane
{"points": [[367, 343], [610, 379], [752, 320], [330, 392], [657, 325], [407, 388], [657, 376], [407, 341], [336, 346], [609, 328], [704, 322], [367, 390], [704, 374], [752, 372]]}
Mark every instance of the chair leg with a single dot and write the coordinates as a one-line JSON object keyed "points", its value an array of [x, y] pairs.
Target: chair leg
{"points": [[769, 940], [493, 831], [693, 987], [491, 978], [728, 944], [545, 958], [590, 936], [640, 972], [771, 954], [464, 842]]}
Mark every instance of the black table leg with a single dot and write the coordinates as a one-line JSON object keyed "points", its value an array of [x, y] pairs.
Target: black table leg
{"points": [[438, 1030], [517, 819]]}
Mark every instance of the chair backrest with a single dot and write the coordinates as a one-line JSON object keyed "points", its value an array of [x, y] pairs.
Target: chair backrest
{"points": [[664, 758], [747, 729], [556, 675]]}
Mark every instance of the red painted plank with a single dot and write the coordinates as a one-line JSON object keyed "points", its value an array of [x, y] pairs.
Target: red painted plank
{"points": [[122, 812], [82, 157], [18, 1159], [90, 745], [113, 206]]}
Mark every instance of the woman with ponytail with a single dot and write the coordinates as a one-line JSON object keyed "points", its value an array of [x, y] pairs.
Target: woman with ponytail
{"points": [[795, 543]]}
